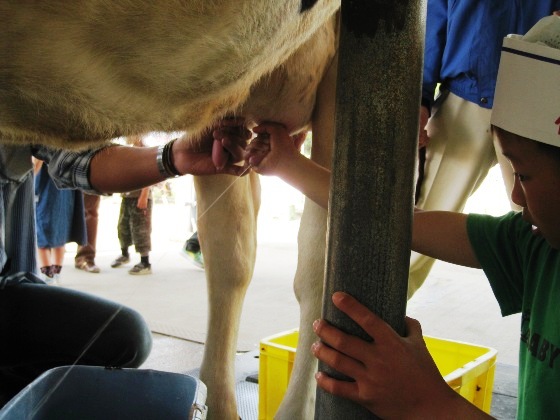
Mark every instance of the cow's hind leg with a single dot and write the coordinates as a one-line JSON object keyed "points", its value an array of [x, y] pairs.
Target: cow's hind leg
{"points": [[227, 232], [299, 401]]}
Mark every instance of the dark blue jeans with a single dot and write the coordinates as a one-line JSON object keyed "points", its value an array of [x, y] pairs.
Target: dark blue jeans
{"points": [[42, 327]]}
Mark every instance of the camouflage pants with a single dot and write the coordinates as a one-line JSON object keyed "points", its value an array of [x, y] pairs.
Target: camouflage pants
{"points": [[135, 225]]}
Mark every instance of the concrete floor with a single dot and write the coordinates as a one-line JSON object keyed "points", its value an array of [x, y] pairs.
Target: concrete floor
{"points": [[455, 303]]}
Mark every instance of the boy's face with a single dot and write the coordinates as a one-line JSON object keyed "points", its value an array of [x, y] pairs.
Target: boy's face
{"points": [[537, 184]]}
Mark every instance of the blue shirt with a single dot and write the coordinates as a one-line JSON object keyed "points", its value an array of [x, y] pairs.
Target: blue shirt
{"points": [[17, 207], [464, 40]]}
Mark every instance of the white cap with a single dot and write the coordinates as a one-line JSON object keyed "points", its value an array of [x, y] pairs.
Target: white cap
{"points": [[527, 98]]}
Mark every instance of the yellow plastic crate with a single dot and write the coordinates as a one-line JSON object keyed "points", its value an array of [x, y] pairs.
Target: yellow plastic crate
{"points": [[467, 368]]}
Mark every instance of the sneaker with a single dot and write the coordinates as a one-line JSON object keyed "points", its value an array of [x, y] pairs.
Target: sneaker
{"points": [[192, 244], [55, 271], [194, 257], [47, 275], [141, 268], [50, 280], [88, 266], [120, 261]]}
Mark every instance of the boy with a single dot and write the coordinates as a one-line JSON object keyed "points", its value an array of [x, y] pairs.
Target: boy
{"points": [[519, 253]]}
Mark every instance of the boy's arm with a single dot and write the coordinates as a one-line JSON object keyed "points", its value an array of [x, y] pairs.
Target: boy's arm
{"points": [[308, 177], [443, 235], [438, 234], [275, 152]]}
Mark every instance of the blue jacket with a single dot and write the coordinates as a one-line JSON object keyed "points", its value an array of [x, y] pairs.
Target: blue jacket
{"points": [[464, 40]]}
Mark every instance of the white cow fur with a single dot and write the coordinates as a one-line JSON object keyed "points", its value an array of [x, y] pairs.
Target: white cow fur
{"points": [[76, 73]]}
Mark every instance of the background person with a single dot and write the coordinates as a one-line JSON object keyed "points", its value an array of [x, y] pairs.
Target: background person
{"points": [[135, 224], [60, 220], [462, 53], [135, 228], [85, 255]]}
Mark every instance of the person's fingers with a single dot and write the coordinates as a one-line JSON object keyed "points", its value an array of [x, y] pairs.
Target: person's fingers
{"points": [[348, 344], [257, 146], [269, 128], [234, 170], [257, 150], [299, 139], [255, 159], [235, 149], [220, 155], [235, 127], [413, 329], [372, 324], [238, 134], [230, 140], [262, 140], [423, 139], [337, 359], [337, 387]]}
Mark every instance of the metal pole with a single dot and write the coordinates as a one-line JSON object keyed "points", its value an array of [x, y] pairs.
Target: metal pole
{"points": [[372, 187]]}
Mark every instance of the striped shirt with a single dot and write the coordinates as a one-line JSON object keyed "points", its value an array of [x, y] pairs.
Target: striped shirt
{"points": [[18, 243]]}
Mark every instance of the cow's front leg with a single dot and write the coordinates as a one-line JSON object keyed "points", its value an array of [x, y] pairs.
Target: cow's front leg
{"points": [[227, 232]]}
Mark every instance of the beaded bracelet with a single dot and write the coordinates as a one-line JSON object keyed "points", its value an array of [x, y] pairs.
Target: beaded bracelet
{"points": [[164, 162]]}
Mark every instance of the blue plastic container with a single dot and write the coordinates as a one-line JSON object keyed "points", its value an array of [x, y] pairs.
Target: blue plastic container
{"points": [[89, 392]]}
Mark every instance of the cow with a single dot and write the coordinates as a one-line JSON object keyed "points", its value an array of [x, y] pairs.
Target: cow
{"points": [[76, 74]]}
